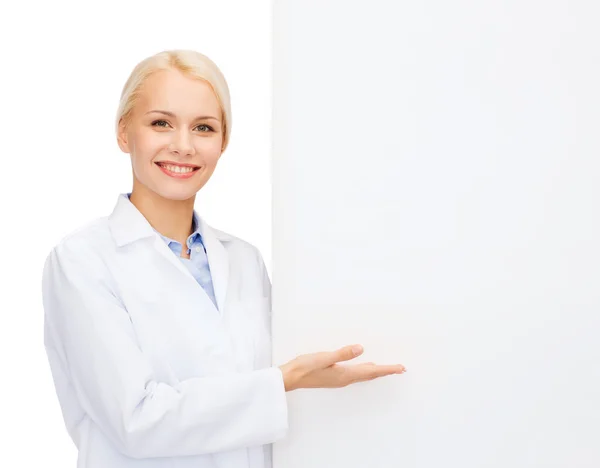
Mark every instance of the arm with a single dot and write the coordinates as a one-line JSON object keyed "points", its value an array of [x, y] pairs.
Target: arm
{"points": [[116, 387]]}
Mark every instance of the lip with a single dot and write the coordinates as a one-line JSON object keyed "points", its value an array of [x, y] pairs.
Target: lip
{"points": [[176, 175]]}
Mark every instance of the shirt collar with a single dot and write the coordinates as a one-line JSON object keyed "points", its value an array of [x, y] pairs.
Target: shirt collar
{"points": [[195, 236], [127, 224]]}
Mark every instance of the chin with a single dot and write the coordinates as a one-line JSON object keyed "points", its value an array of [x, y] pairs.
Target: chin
{"points": [[173, 193], [178, 195], [176, 190]]}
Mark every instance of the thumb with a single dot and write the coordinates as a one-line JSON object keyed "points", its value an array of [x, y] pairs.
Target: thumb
{"points": [[344, 354]]}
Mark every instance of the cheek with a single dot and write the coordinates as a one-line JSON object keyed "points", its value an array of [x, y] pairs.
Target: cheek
{"points": [[210, 150], [151, 142]]}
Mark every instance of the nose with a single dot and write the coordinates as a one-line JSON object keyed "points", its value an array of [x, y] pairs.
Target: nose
{"points": [[182, 143]]}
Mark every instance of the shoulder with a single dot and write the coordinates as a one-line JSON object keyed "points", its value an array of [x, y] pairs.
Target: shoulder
{"points": [[85, 244], [247, 258], [235, 244]]}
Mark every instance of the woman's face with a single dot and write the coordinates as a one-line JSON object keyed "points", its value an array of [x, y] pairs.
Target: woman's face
{"points": [[176, 120]]}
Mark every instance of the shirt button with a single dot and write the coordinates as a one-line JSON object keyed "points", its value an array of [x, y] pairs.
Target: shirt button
{"points": [[198, 249]]}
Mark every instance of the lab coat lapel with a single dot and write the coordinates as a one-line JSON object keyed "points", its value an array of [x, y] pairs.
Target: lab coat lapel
{"points": [[166, 252], [127, 225], [218, 261]]}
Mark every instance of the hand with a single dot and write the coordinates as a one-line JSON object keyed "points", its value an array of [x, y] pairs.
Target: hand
{"points": [[320, 370]]}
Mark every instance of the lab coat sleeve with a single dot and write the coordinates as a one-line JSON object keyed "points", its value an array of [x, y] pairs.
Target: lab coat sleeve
{"points": [[115, 384], [264, 276]]}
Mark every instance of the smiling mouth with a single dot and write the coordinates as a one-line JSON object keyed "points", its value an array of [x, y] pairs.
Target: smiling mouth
{"points": [[177, 169]]}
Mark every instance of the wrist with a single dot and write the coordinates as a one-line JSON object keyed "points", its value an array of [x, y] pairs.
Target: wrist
{"points": [[290, 377]]}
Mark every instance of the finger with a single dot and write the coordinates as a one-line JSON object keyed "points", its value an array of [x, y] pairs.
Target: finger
{"points": [[370, 372], [387, 370], [383, 368]]}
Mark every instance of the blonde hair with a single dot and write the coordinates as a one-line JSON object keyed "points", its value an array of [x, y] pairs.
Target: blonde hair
{"points": [[189, 62]]}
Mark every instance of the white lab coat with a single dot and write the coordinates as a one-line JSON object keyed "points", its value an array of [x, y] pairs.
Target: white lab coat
{"points": [[147, 371]]}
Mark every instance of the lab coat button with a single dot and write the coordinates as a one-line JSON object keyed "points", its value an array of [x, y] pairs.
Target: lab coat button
{"points": [[198, 249]]}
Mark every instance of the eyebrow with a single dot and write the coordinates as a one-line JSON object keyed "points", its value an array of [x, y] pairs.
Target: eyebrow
{"points": [[170, 114]]}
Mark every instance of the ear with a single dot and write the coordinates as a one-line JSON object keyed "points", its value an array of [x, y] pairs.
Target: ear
{"points": [[122, 137]]}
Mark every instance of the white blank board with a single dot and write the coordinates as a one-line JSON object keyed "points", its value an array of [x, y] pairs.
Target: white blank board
{"points": [[436, 190]]}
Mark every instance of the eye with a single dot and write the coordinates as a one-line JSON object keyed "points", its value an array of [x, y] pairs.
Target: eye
{"points": [[210, 129], [154, 124]]}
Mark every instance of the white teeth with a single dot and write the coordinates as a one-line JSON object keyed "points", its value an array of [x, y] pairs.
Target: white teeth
{"points": [[177, 169]]}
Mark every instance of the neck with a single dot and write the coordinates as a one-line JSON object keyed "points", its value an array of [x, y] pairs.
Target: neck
{"points": [[171, 218]]}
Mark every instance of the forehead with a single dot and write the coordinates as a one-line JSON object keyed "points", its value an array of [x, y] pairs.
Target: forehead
{"points": [[173, 91]]}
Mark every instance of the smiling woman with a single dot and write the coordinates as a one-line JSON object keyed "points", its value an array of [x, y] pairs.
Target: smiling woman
{"points": [[157, 326]]}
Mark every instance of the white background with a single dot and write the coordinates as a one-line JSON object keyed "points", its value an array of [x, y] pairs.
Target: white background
{"points": [[436, 188], [63, 67], [436, 185]]}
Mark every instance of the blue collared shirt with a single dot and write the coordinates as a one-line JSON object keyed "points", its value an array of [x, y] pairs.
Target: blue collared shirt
{"points": [[197, 264]]}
